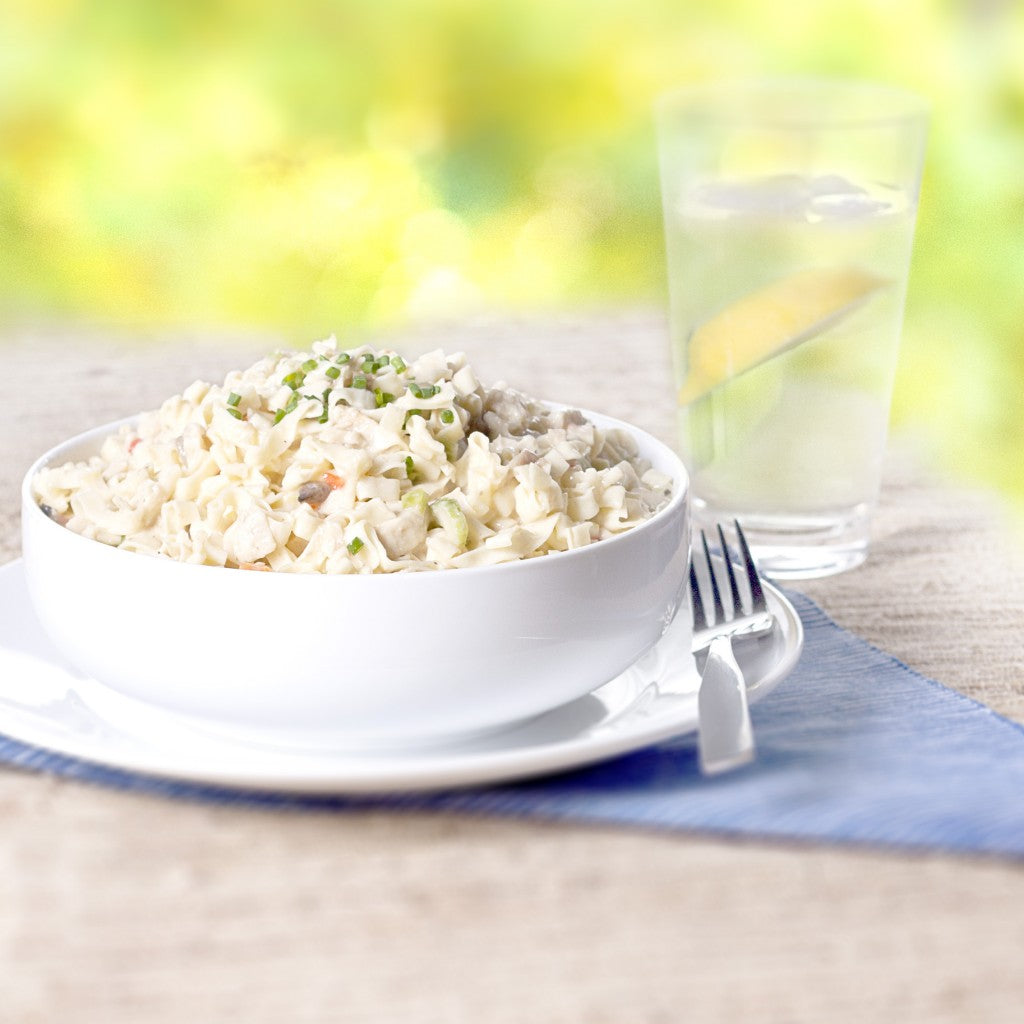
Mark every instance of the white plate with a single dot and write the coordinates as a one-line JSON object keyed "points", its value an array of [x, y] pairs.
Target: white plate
{"points": [[46, 703]]}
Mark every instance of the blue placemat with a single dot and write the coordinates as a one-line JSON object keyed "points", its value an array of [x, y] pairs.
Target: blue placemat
{"points": [[855, 747]]}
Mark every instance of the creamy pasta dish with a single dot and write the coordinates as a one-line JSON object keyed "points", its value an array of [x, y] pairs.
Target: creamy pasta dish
{"points": [[354, 461]]}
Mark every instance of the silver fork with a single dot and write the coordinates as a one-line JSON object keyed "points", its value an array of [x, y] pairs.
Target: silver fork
{"points": [[724, 734]]}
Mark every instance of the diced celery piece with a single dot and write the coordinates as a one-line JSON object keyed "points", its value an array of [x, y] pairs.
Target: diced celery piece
{"points": [[451, 519], [415, 499]]}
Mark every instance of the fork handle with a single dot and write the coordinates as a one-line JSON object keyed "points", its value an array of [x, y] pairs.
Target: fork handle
{"points": [[725, 737]]}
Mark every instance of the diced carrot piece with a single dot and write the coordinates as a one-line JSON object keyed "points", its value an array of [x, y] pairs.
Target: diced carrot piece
{"points": [[131, 444], [334, 482]]}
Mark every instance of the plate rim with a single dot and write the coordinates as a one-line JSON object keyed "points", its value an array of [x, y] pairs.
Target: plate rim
{"points": [[434, 769]]}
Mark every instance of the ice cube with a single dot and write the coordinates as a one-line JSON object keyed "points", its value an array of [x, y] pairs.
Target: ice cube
{"points": [[777, 194], [834, 185], [846, 207]]}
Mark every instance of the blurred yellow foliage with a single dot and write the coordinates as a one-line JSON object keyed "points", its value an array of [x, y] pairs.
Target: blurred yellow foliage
{"points": [[335, 165]]}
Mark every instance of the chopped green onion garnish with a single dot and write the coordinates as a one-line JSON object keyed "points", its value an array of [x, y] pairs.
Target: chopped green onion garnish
{"points": [[410, 469], [234, 399], [333, 372], [354, 546], [447, 416], [359, 381], [383, 360], [235, 413], [398, 363], [326, 413], [382, 397], [309, 365], [410, 413], [295, 379], [342, 358], [293, 401]]}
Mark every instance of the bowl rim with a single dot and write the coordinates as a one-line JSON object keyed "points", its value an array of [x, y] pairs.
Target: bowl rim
{"points": [[681, 489]]}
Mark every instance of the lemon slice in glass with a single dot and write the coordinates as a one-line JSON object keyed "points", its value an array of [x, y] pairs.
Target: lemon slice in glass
{"points": [[771, 320]]}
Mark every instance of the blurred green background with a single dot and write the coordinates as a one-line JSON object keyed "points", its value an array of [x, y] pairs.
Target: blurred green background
{"points": [[318, 166]]}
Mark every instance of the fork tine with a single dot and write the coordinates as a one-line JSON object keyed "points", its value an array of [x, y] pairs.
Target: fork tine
{"points": [[716, 595], [757, 598], [699, 618], [737, 606]]}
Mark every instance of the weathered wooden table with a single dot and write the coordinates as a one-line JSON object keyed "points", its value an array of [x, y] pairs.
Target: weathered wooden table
{"points": [[127, 909]]}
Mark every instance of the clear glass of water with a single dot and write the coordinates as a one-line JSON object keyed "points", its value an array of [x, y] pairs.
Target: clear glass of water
{"points": [[789, 215]]}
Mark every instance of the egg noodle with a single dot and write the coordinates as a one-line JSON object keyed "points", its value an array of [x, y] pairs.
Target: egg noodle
{"points": [[354, 461]]}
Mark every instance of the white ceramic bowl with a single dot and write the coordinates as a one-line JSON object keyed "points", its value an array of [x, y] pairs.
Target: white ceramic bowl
{"points": [[362, 659]]}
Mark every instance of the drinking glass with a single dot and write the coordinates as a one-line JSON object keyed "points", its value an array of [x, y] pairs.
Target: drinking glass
{"points": [[789, 211]]}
